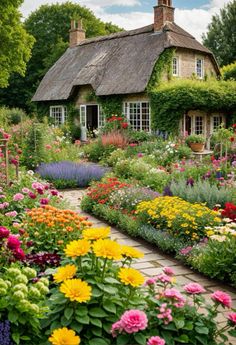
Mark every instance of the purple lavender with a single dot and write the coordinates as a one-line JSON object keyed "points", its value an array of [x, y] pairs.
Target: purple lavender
{"points": [[82, 174], [167, 191], [5, 333]]}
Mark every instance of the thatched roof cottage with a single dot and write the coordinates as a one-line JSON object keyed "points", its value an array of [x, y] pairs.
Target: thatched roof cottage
{"points": [[122, 64]]}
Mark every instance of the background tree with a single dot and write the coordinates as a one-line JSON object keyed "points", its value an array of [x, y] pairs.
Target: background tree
{"points": [[50, 26], [221, 37], [15, 42], [229, 71]]}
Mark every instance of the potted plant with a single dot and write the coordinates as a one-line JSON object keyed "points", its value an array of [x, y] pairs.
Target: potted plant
{"points": [[196, 142]]}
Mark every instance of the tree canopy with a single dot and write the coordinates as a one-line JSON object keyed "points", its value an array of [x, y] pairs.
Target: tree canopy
{"points": [[50, 26], [221, 37], [15, 42]]}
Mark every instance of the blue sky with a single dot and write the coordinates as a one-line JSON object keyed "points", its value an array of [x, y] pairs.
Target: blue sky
{"points": [[192, 15]]}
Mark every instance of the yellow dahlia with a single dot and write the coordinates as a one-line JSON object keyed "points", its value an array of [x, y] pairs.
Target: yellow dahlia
{"points": [[76, 290], [107, 249], [131, 252], [64, 336], [64, 273], [96, 233], [77, 248], [130, 276]]}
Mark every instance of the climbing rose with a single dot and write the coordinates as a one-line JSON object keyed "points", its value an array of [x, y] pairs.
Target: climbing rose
{"points": [[194, 288], [222, 298], [156, 341]]}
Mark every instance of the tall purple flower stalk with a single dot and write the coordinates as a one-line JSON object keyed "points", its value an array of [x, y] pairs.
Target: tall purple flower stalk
{"points": [[5, 333], [82, 174]]}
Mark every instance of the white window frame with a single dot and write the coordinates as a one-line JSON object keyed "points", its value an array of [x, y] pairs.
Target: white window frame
{"points": [[63, 114], [199, 58], [177, 74], [193, 123], [127, 112], [220, 122]]}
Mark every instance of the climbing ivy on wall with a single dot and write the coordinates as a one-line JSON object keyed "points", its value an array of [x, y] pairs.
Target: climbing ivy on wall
{"points": [[171, 100], [110, 104]]}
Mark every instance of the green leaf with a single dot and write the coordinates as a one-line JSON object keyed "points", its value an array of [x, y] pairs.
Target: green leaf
{"points": [[64, 321], [202, 339], [16, 338], [12, 316], [109, 306], [83, 319], [111, 280], [188, 326], [68, 312], [96, 322], [97, 312], [24, 337], [183, 339], [202, 330], [96, 331], [233, 333], [110, 289], [76, 327], [140, 338], [97, 292], [97, 341], [123, 339], [179, 323], [81, 311]]}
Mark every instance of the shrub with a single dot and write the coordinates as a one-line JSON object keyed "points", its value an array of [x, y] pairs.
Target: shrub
{"points": [[229, 211], [195, 138], [96, 151], [115, 156], [71, 174], [181, 218], [114, 138], [138, 136], [201, 192]]}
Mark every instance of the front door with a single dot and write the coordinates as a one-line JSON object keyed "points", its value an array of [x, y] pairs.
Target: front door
{"points": [[83, 122]]}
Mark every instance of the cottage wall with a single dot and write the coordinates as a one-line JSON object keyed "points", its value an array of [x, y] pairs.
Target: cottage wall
{"points": [[83, 96]]}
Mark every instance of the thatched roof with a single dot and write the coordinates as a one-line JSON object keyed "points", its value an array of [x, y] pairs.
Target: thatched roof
{"points": [[120, 63]]}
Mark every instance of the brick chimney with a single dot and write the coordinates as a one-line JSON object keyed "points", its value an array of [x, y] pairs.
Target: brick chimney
{"points": [[77, 33], [163, 12]]}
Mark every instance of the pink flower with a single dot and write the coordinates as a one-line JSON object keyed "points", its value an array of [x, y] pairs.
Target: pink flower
{"points": [[168, 271], [156, 341], [165, 314], [186, 250], [232, 318], [194, 288], [3, 205], [54, 192], [4, 232], [40, 191], [25, 190], [222, 298], [133, 321], [32, 195], [48, 147], [175, 295], [18, 197], [36, 185], [163, 278], [150, 281], [11, 214], [19, 254], [116, 328], [13, 242], [44, 201]]}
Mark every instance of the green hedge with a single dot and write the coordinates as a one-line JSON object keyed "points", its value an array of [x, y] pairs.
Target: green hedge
{"points": [[171, 100], [229, 71]]}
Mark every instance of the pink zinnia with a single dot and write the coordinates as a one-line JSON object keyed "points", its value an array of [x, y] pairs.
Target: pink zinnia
{"points": [[18, 197], [156, 341], [13, 242], [11, 214], [25, 190], [194, 288], [168, 271], [133, 321], [222, 298], [44, 201], [232, 318], [54, 192], [4, 232]]}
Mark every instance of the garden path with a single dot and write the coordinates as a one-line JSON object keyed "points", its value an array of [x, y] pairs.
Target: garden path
{"points": [[154, 260]]}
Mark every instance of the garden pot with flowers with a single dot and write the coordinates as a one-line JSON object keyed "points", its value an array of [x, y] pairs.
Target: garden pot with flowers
{"points": [[196, 142]]}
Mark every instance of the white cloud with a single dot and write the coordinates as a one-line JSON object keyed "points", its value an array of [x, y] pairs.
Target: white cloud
{"points": [[194, 21]]}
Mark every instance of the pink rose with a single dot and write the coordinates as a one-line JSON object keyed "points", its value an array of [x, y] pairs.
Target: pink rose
{"points": [[222, 298], [163, 278], [116, 328], [4, 232], [150, 281], [13, 242], [156, 341], [194, 288], [18, 197], [232, 318], [175, 295], [133, 321], [168, 271]]}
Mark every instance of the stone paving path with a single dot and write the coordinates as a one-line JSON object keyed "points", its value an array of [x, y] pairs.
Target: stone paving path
{"points": [[154, 260]]}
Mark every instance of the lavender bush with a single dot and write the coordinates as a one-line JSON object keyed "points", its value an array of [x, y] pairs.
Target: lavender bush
{"points": [[67, 174], [5, 336]]}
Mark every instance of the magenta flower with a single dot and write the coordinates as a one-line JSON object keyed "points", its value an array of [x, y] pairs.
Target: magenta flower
{"points": [[133, 321], [54, 192], [168, 271], [19, 254], [4, 232], [18, 197], [32, 195], [186, 250], [40, 191], [232, 318], [13, 242], [44, 201], [222, 298], [194, 288], [156, 341]]}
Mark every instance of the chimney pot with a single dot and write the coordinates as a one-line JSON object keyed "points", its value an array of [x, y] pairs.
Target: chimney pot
{"points": [[163, 13], [77, 33]]}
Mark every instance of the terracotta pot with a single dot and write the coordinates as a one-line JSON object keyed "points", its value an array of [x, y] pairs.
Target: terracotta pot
{"points": [[197, 147]]}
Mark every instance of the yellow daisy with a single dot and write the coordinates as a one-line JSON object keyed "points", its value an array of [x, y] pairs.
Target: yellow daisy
{"points": [[64, 273], [76, 290], [96, 233], [77, 248], [130, 276], [64, 336], [107, 249], [131, 252]]}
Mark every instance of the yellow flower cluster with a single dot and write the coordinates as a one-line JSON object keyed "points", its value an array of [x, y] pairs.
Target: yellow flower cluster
{"points": [[180, 217], [64, 273], [64, 336], [76, 290]]}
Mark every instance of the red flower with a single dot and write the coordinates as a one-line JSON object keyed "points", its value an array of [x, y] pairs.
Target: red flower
{"points": [[229, 211], [124, 125], [13, 242], [19, 254], [232, 139]]}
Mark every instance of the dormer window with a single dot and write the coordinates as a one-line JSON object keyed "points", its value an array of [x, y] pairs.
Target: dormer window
{"points": [[200, 67], [175, 66]]}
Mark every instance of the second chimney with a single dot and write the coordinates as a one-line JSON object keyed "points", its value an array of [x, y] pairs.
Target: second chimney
{"points": [[163, 13], [77, 33]]}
